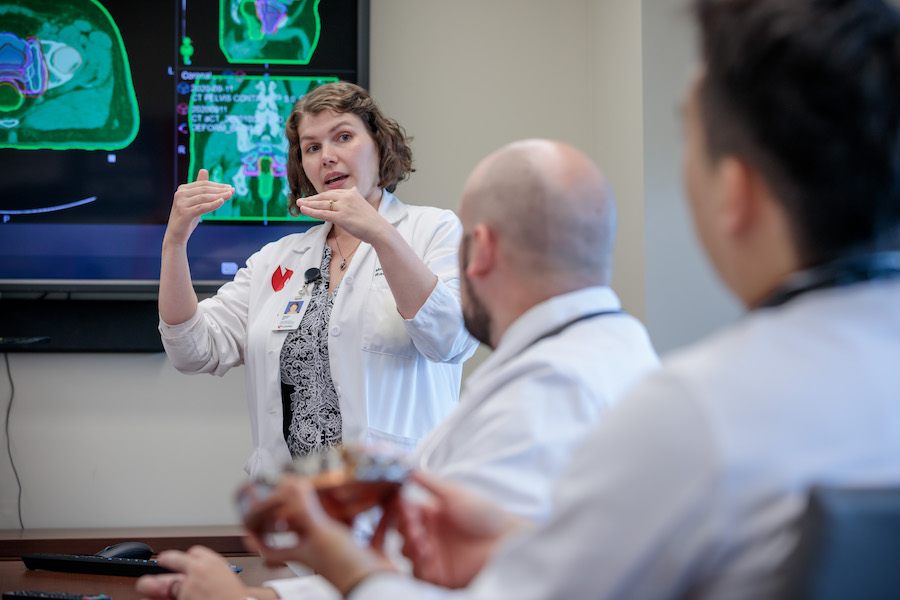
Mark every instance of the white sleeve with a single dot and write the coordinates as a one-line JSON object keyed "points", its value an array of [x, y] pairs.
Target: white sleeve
{"points": [[212, 341], [437, 330]]}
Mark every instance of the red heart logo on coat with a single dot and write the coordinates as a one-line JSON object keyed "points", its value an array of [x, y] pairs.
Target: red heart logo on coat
{"points": [[279, 278]]}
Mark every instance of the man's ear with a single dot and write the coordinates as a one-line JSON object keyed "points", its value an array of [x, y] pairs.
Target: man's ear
{"points": [[742, 190], [482, 251]]}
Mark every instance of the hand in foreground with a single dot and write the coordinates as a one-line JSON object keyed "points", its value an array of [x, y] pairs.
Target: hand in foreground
{"points": [[449, 539], [346, 209], [192, 201], [319, 541], [201, 574]]}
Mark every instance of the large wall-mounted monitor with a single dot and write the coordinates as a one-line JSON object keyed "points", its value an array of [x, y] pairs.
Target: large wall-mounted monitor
{"points": [[106, 106]]}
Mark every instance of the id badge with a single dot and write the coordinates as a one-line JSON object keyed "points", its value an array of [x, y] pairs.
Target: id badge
{"points": [[290, 317]]}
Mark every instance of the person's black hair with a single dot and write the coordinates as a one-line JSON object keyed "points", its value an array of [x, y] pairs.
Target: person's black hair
{"points": [[808, 93]]}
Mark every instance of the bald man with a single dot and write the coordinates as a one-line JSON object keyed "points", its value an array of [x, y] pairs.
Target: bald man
{"points": [[539, 225]]}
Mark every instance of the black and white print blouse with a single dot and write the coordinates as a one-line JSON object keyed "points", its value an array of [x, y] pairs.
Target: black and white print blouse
{"points": [[312, 416]]}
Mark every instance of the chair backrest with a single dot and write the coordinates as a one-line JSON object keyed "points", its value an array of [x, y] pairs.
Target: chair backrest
{"points": [[849, 546]]}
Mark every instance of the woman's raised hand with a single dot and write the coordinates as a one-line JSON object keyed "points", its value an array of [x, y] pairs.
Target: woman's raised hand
{"points": [[192, 201], [346, 209]]}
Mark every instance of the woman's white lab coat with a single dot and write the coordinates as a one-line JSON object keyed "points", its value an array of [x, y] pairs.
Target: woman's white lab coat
{"points": [[395, 378]]}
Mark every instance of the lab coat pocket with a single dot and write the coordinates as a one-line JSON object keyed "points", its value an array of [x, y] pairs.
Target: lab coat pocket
{"points": [[389, 443], [383, 330]]}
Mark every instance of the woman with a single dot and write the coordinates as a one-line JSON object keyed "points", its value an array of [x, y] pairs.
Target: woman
{"points": [[378, 351]]}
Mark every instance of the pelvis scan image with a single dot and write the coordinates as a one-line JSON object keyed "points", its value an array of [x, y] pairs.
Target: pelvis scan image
{"points": [[65, 80]]}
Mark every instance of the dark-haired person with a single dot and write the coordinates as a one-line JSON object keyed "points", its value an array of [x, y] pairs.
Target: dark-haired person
{"points": [[377, 354], [693, 486]]}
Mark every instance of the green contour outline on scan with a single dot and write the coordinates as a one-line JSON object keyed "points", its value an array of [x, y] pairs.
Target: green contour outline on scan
{"points": [[129, 84], [272, 61]]}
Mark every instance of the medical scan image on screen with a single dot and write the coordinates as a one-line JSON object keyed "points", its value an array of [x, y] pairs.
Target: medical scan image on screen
{"points": [[237, 133], [106, 106], [65, 81], [274, 32]]}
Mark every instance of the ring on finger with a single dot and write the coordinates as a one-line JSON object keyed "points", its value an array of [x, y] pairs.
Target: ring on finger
{"points": [[331, 205]]}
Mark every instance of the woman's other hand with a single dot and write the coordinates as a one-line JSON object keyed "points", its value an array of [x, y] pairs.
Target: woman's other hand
{"points": [[349, 210]]}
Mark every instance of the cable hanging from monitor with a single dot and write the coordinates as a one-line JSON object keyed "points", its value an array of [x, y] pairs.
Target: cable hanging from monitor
{"points": [[12, 395]]}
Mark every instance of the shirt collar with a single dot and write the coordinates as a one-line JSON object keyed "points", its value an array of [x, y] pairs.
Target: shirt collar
{"points": [[549, 315]]}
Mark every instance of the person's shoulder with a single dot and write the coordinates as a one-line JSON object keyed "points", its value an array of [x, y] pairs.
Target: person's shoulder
{"points": [[429, 225], [427, 213], [718, 350], [712, 375], [433, 216], [433, 211]]}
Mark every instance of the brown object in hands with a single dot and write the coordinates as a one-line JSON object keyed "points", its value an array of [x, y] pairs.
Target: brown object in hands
{"points": [[349, 480]]}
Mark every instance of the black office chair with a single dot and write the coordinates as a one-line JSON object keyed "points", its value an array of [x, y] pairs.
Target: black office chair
{"points": [[849, 546]]}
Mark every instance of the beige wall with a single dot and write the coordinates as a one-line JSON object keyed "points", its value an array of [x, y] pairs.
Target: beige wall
{"points": [[472, 75], [107, 440], [615, 43]]}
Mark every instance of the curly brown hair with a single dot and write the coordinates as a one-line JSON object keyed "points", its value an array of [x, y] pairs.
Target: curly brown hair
{"points": [[395, 155]]}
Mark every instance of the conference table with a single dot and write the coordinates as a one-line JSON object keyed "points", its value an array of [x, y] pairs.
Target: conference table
{"points": [[15, 576]]}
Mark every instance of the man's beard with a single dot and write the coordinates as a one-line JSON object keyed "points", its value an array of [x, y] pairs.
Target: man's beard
{"points": [[475, 315]]}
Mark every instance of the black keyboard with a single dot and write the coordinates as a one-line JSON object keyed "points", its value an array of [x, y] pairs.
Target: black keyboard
{"points": [[97, 565]]}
